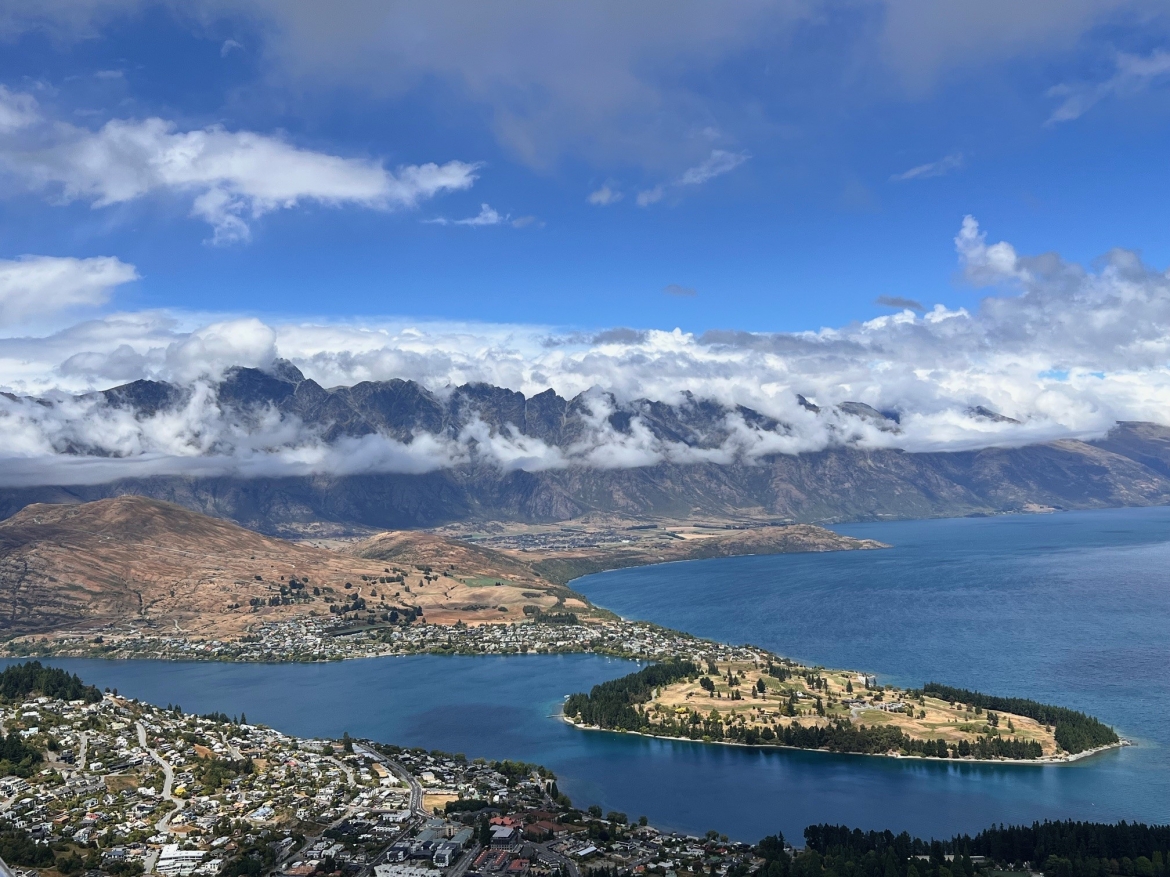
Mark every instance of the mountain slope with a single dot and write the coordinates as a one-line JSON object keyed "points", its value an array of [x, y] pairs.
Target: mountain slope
{"points": [[135, 564], [843, 484], [149, 565], [591, 453]]}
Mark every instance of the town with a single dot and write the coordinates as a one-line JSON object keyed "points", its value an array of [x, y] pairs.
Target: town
{"points": [[103, 784], [328, 639]]}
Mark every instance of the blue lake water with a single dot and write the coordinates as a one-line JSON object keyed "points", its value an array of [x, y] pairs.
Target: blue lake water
{"points": [[1071, 609]]}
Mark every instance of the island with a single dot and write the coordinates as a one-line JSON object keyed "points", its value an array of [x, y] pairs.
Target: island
{"points": [[763, 700]]}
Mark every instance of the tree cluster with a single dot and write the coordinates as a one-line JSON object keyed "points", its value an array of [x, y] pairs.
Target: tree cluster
{"points": [[17, 848], [20, 680], [612, 704], [1074, 731], [17, 757], [1058, 849]]}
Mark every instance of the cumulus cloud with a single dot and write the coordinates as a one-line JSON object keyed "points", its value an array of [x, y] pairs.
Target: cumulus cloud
{"points": [[1063, 349], [209, 350], [231, 177], [44, 286], [939, 168], [985, 265], [1132, 74]]}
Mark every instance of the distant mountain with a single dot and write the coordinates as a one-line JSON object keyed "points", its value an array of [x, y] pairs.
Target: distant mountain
{"points": [[845, 482]]}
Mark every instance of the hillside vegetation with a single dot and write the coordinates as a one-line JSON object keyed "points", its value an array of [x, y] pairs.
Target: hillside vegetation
{"points": [[1074, 731]]}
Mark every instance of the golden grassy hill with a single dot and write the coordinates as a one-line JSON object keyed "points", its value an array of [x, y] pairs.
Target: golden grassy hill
{"points": [[139, 564], [155, 566]]}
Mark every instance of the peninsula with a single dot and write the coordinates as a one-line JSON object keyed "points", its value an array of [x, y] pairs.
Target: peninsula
{"points": [[768, 701]]}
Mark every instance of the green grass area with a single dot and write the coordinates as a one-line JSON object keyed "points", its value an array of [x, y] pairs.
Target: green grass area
{"points": [[481, 581]]}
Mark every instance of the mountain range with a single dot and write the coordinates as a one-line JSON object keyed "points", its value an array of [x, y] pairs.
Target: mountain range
{"points": [[843, 482]]}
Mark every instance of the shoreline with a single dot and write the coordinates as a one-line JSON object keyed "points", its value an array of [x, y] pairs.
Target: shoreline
{"points": [[1044, 761]]}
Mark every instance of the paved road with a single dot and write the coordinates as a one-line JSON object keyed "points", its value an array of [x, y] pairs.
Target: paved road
{"points": [[83, 751], [416, 789], [349, 774], [232, 750], [163, 824], [461, 866], [551, 858]]}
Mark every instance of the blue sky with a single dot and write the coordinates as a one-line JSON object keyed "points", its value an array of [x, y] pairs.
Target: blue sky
{"points": [[935, 209], [812, 111]]}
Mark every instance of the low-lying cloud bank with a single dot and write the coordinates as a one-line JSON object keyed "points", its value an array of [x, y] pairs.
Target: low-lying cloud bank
{"points": [[1063, 350]]}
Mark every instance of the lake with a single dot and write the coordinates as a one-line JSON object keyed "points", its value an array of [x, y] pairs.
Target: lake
{"points": [[1072, 608]]}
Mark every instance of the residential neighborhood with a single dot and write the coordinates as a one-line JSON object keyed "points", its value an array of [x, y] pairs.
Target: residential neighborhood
{"points": [[330, 639], [121, 787]]}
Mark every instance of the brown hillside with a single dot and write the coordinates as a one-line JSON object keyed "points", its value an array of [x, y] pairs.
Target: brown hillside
{"points": [[151, 565]]}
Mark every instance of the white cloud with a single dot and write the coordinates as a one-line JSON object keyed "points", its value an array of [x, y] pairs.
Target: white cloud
{"points": [[606, 195], [487, 216], [228, 46], [650, 196], [1065, 350], [16, 110], [1133, 73], [207, 351], [622, 84], [985, 265], [939, 168], [232, 177], [40, 287], [718, 163]]}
